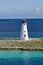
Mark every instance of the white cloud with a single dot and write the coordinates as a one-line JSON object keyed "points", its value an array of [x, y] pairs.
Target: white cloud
{"points": [[31, 13], [38, 9]]}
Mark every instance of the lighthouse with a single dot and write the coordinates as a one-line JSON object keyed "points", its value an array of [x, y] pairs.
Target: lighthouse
{"points": [[24, 31]]}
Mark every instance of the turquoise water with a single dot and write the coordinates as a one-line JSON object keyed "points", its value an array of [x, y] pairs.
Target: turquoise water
{"points": [[20, 57], [20, 54]]}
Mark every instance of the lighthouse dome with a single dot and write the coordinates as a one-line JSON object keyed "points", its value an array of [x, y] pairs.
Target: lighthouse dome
{"points": [[23, 21]]}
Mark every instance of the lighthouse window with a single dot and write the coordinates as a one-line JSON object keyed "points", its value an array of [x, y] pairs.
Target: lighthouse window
{"points": [[24, 31], [24, 23], [24, 35]]}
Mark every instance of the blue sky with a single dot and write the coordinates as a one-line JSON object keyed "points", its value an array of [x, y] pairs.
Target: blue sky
{"points": [[21, 8]]}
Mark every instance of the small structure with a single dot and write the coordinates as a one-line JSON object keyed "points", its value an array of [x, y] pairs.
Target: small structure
{"points": [[24, 31]]}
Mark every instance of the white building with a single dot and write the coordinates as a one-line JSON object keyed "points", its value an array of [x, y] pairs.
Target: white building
{"points": [[24, 31]]}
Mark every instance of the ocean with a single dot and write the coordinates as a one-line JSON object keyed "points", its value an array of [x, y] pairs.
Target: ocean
{"points": [[20, 57], [11, 28]]}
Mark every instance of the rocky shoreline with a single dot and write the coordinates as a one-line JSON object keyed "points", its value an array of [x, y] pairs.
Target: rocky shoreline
{"points": [[16, 44]]}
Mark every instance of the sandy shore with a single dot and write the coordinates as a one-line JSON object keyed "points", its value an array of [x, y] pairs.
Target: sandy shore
{"points": [[32, 44]]}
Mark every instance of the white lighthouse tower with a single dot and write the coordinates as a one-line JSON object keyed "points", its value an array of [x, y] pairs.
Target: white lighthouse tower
{"points": [[24, 31]]}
